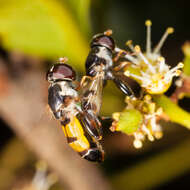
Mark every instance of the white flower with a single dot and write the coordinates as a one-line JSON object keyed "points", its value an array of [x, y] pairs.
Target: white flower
{"points": [[153, 74]]}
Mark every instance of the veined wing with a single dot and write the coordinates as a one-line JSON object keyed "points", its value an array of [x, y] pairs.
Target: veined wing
{"points": [[92, 92], [91, 103]]}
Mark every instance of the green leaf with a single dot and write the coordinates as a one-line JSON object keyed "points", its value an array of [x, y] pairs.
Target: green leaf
{"points": [[42, 27], [129, 121], [173, 111], [80, 9]]}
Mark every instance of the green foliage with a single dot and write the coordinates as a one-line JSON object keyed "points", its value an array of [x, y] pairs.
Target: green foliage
{"points": [[44, 28], [80, 10]]}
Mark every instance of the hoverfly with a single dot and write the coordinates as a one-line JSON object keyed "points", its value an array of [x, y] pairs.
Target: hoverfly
{"points": [[64, 102], [100, 68]]}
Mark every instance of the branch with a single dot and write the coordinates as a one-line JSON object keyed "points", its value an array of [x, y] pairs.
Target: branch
{"points": [[173, 111], [22, 108]]}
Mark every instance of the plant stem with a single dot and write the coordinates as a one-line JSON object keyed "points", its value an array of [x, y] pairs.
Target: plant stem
{"points": [[173, 111]]}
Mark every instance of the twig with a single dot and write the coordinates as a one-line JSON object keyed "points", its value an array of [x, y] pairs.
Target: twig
{"points": [[22, 108]]}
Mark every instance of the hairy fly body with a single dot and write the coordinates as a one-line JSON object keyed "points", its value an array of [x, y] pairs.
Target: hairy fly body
{"points": [[64, 102], [99, 68]]}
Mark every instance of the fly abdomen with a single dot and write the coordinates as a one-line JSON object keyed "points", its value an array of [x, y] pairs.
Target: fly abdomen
{"points": [[92, 124], [81, 142], [93, 154]]}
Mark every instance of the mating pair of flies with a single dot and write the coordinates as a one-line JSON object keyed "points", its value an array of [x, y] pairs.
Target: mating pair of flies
{"points": [[79, 113]]}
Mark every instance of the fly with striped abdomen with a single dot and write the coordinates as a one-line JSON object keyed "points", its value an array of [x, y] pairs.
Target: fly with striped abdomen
{"points": [[99, 68], [64, 102]]}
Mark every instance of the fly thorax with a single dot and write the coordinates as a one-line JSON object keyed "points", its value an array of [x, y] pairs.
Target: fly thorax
{"points": [[105, 55], [71, 109], [67, 90]]}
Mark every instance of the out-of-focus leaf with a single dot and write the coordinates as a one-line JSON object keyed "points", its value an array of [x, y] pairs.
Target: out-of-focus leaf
{"points": [[129, 121], [42, 27], [155, 170], [81, 11]]}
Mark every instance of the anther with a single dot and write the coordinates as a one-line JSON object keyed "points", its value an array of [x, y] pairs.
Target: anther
{"points": [[170, 30], [158, 134], [180, 65], [148, 23], [137, 143], [129, 43], [138, 51]]}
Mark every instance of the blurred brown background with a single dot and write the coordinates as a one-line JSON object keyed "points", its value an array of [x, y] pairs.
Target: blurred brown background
{"points": [[33, 35]]}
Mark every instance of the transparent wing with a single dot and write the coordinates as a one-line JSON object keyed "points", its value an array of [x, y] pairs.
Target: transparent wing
{"points": [[91, 103], [92, 88]]}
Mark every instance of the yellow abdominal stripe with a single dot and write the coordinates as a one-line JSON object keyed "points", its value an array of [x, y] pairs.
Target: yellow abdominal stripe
{"points": [[75, 129]]}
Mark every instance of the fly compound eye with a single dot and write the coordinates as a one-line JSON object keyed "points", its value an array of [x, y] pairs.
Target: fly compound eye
{"points": [[60, 72], [103, 40]]}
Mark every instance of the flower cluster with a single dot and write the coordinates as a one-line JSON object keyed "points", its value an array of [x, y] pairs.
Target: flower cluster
{"points": [[147, 123], [154, 76], [149, 69]]}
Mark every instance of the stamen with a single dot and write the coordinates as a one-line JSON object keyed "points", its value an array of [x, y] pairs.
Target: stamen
{"points": [[132, 59], [168, 31], [138, 51], [158, 134], [128, 74], [145, 74], [159, 111], [137, 143], [129, 44], [161, 62], [173, 72], [147, 131], [175, 69], [148, 24]]}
